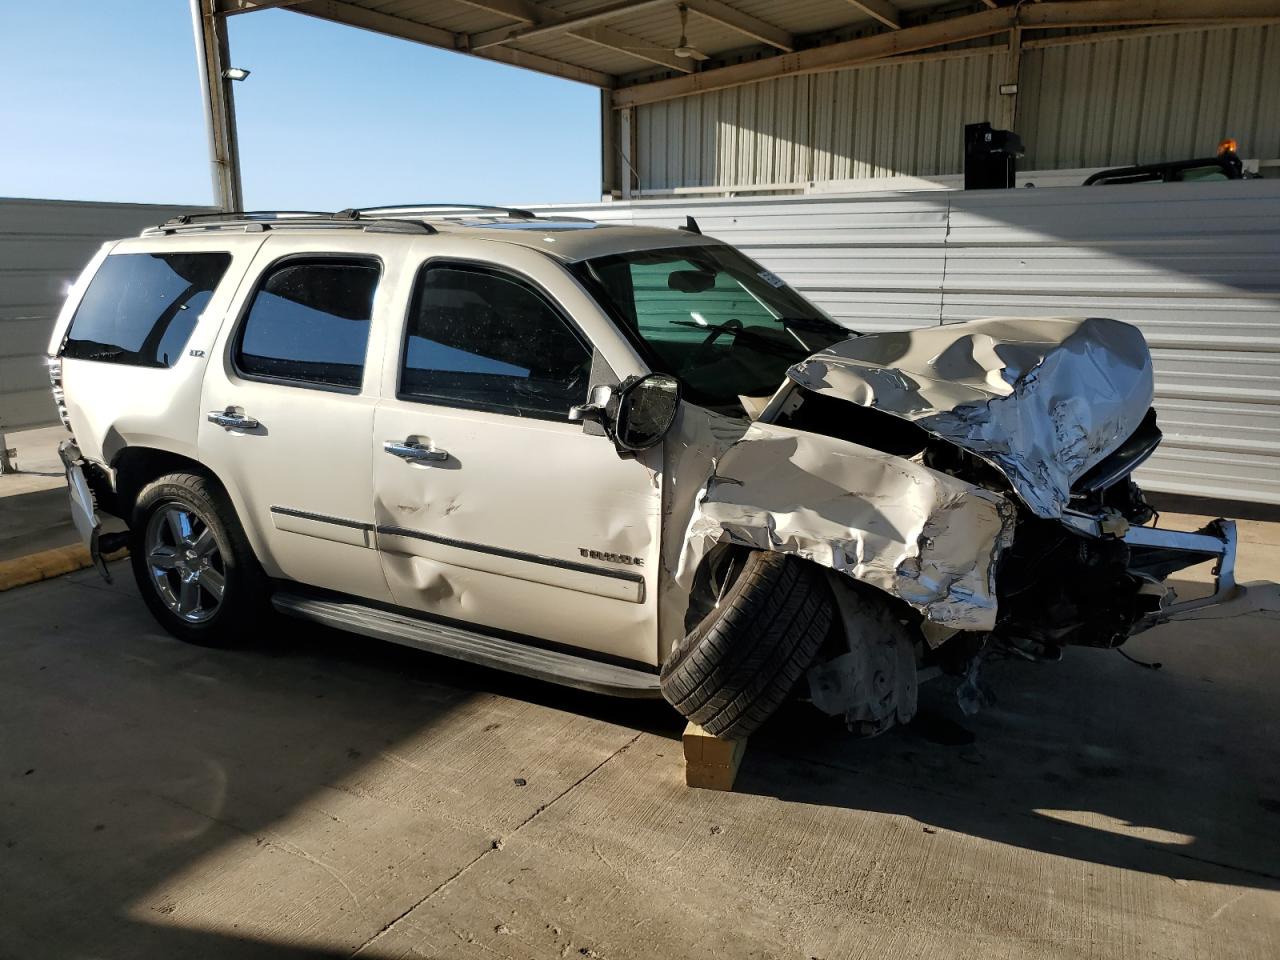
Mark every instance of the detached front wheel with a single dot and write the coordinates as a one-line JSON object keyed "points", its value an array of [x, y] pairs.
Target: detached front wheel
{"points": [[193, 563]]}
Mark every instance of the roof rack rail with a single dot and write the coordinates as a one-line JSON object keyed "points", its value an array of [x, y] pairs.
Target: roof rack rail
{"points": [[445, 208], [217, 215], [257, 220]]}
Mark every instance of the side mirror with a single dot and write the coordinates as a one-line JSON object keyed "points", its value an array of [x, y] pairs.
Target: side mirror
{"points": [[645, 409], [594, 409]]}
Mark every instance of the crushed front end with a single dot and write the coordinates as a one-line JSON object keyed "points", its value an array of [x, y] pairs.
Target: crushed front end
{"points": [[1043, 421], [1053, 414]]}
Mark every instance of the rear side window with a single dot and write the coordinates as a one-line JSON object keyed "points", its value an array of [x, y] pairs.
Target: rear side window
{"points": [[484, 339], [309, 323], [140, 308]]}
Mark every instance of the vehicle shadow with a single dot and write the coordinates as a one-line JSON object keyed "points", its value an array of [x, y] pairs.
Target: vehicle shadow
{"points": [[147, 785], [1173, 771]]}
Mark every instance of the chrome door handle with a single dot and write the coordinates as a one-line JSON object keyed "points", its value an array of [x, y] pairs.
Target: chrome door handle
{"points": [[232, 420], [417, 452]]}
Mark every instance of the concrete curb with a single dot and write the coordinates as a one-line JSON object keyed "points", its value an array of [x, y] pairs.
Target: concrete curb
{"points": [[45, 565]]}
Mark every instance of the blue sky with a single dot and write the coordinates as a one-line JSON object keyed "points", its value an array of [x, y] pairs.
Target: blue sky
{"points": [[100, 102]]}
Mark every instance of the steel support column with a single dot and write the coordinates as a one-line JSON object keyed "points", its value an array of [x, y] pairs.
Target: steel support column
{"points": [[610, 152], [627, 151], [212, 58], [1013, 75]]}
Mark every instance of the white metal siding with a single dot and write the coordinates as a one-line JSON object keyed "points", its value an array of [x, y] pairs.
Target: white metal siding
{"points": [[1084, 104], [1195, 266], [863, 122], [1143, 99], [44, 244]]}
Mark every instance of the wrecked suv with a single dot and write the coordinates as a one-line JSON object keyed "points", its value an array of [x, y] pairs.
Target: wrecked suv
{"points": [[623, 459]]}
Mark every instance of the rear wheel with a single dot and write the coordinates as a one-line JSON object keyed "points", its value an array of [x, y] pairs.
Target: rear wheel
{"points": [[194, 566], [739, 663]]}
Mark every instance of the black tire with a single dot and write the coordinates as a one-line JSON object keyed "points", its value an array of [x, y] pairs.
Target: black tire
{"points": [[243, 601], [737, 666]]}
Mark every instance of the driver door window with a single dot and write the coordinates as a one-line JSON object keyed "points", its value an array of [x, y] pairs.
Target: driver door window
{"points": [[485, 340]]}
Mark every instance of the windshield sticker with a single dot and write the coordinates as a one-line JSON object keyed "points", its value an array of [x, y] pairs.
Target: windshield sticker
{"points": [[772, 279]]}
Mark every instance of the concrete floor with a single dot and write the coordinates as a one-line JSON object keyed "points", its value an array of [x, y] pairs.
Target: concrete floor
{"points": [[319, 794], [33, 501]]}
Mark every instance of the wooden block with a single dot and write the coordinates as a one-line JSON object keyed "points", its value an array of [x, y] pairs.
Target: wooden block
{"points": [[709, 762]]}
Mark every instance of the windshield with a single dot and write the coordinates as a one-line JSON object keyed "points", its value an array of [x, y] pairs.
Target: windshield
{"points": [[723, 325]]}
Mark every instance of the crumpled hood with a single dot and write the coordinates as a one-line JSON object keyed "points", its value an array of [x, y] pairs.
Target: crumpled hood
{"points": [[1040, 400]]}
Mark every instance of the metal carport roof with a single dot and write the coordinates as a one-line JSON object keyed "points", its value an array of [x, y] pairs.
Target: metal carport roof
{"points": [[629, 45], [629, 48]]}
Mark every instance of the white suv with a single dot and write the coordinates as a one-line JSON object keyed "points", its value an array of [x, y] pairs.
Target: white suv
{"points": [[628, 460]]}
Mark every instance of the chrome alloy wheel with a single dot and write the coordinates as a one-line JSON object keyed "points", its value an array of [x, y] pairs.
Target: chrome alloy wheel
{"points": [[186, 566]]}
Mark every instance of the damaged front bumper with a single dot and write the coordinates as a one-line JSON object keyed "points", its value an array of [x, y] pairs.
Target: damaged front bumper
{"points": [[84, 512], [1174, 550]]}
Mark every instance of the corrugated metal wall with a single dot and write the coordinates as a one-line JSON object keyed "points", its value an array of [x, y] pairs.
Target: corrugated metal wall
{"points": [[1101, 103], [865, 122], [44, 244], [1116, 102], [1195, 266]]}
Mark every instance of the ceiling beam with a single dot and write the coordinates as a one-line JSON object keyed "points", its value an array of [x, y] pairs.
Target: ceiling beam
{"points": [[515, 9], [1133, 33], [816, 59], [366, 19], [352, 15], [631, 46], [1119, 13], [549, 22], [556, 68], [886, 12], [744, 23], [540, 21], [229, 8], [1040, 16]]}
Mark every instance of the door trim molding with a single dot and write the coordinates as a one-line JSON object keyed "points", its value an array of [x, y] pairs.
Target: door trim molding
{"points": [[322, 518], [393, 531]]}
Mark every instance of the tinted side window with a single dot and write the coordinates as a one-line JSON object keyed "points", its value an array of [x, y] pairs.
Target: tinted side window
{"points": [[483, 339], [140, 308], [309, 322]]}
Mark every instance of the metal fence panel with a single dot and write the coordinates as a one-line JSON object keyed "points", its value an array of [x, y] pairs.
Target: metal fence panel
{"points": [[44, 244]]}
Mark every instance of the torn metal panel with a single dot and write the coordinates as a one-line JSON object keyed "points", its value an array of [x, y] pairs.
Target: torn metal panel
{"points": [[920, 535], [1041, 400], [690, 450]]}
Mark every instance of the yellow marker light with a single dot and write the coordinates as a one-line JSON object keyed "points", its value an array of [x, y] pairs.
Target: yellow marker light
{"points": [[1227, 146]]}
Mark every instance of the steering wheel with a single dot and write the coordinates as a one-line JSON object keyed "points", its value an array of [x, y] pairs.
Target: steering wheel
{"points": [[702, 352]]}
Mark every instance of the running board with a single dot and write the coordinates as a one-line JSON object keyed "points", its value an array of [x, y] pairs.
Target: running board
{"points": [[478, 648]]}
